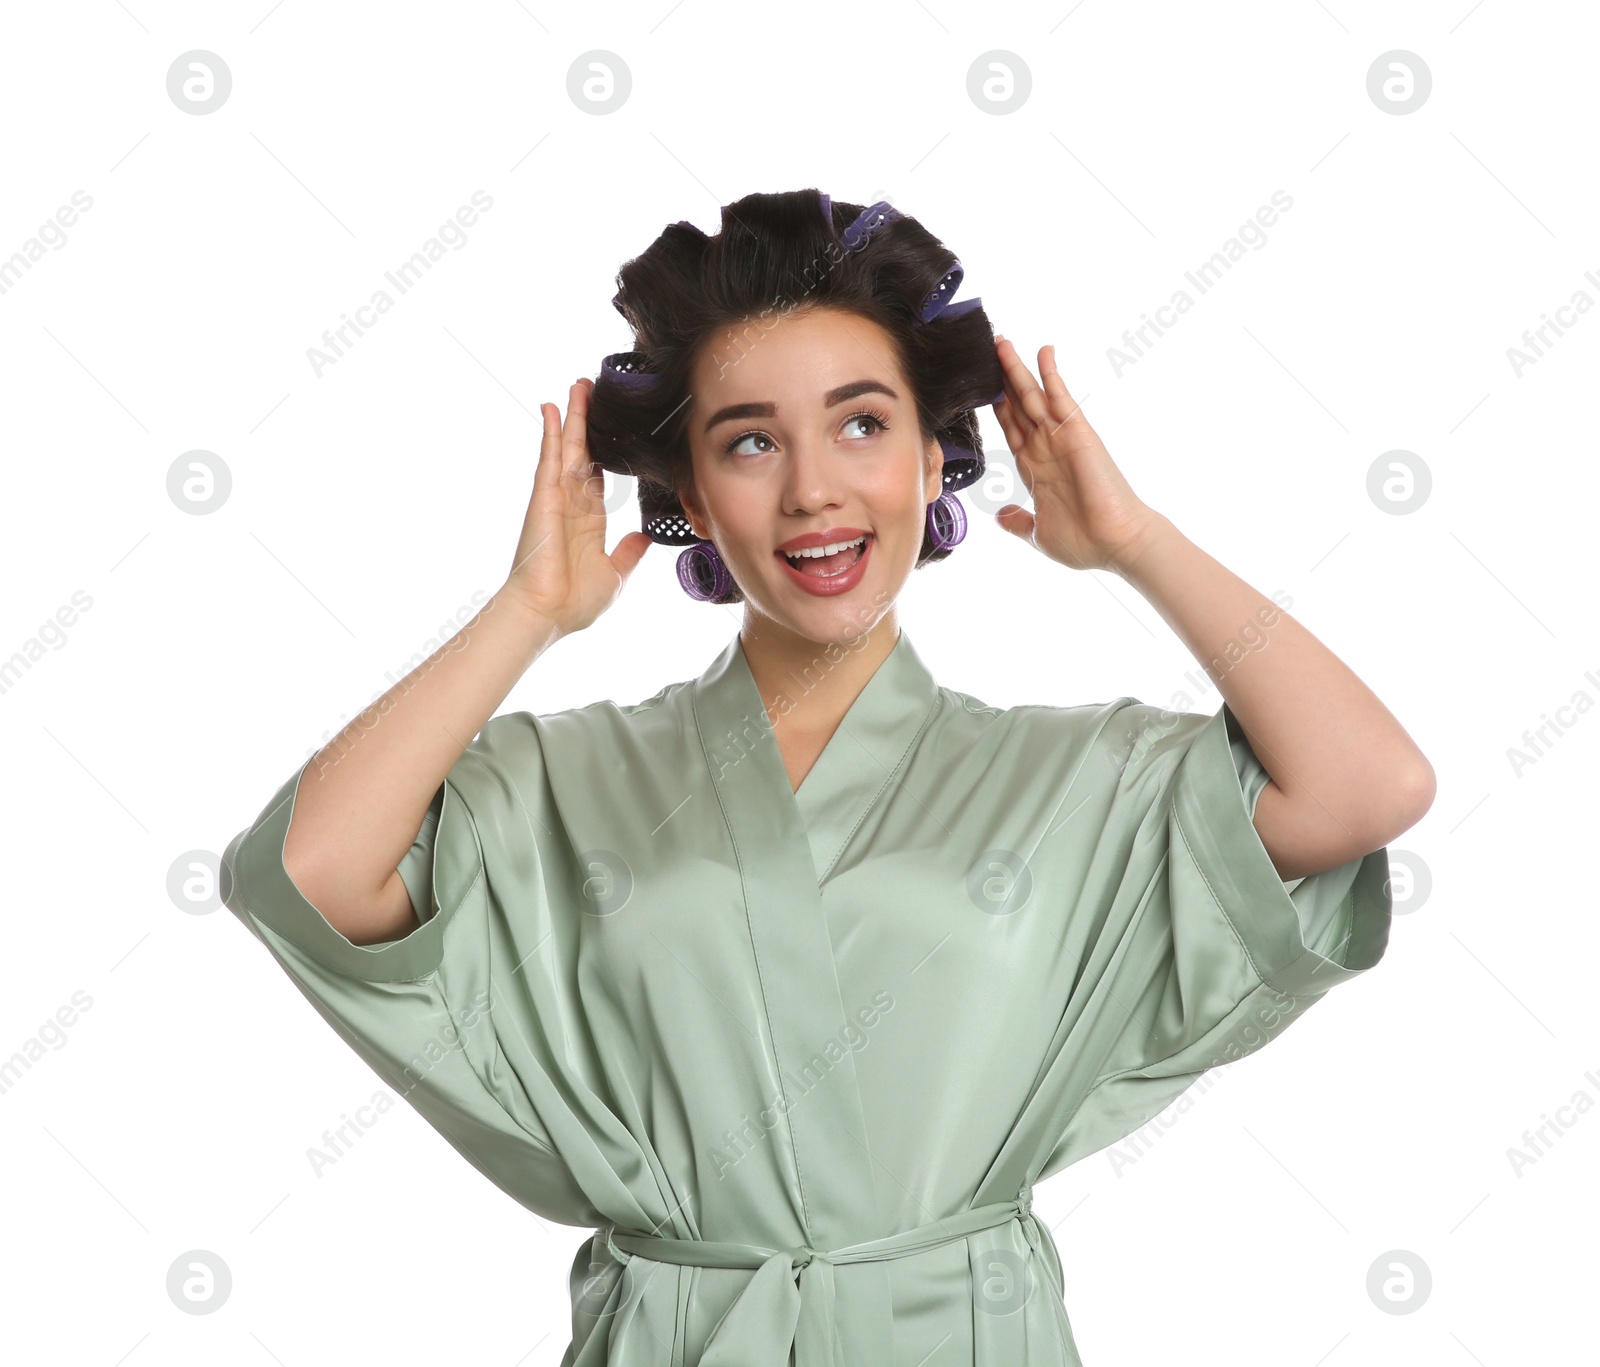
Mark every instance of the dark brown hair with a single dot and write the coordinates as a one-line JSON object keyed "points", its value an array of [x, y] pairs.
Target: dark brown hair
{"points": [[776, 253]]}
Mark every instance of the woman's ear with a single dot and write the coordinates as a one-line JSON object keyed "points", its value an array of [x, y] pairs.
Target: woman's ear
{"points": [[933, 486], [690, 511]]}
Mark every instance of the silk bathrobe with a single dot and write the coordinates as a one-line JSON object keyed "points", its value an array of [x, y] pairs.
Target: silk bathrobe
{"points": [[799, 1058]]}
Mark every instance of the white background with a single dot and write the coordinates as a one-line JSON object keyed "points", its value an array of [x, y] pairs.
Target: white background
{"points": [[369, 503]]}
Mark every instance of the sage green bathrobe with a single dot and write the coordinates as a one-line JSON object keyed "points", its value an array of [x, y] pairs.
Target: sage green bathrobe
{"points": [[800, 1058]]}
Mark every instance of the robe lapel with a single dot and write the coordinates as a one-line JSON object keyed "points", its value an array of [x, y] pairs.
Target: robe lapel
{"points": [[785, 843], [864, 758], [861, 763]]}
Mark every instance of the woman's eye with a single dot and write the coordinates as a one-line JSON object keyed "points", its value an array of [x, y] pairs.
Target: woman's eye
{"points": [[879, 424], [734, 445]]}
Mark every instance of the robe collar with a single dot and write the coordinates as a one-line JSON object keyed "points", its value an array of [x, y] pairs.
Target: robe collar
{"points": [[862, 762], [785, 844]]}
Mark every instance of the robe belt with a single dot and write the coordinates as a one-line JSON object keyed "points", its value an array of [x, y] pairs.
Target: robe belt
{"points": [[775, 1310]]}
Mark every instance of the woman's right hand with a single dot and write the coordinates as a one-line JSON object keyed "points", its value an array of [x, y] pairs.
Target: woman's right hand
{"points": [[562, 572]]}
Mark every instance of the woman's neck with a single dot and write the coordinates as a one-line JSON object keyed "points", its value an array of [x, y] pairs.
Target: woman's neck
{"points": [[807, 686]]}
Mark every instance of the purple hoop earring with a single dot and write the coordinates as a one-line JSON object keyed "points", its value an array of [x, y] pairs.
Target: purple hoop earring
{"points": [[702, 572], [947, 521]]}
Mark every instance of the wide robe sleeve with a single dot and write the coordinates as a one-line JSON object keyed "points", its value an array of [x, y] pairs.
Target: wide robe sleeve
{"points": [[461, 1017], [1192, 952]]}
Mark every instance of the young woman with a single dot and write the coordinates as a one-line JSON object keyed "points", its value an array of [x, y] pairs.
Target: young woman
{"points": [[793, 980]]}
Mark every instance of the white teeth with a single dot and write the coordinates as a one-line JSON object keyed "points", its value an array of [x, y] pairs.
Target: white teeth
{"points": [[832, 549]]}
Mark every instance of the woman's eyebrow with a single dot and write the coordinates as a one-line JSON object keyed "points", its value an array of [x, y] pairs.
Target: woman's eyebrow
{"points": [[831, 399]]}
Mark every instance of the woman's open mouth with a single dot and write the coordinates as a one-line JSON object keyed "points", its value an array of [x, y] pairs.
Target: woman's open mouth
{"points": [[826, 575]]}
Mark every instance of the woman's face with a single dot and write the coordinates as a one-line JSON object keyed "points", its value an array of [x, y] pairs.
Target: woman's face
{"points": [[809, 426]]}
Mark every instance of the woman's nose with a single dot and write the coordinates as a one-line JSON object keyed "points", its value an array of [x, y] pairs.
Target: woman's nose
{"points": [[812, 476]]}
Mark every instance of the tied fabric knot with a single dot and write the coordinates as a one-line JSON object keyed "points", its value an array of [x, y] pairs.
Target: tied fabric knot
{"points": [[1030, 1227], [788, 1306]]}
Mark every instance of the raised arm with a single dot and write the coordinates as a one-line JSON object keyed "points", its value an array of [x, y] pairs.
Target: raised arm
{"points": [[1346, 778], [365, 793]]}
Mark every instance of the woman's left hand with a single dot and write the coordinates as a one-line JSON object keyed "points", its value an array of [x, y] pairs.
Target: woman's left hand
{"points": [[1085, 514]]}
